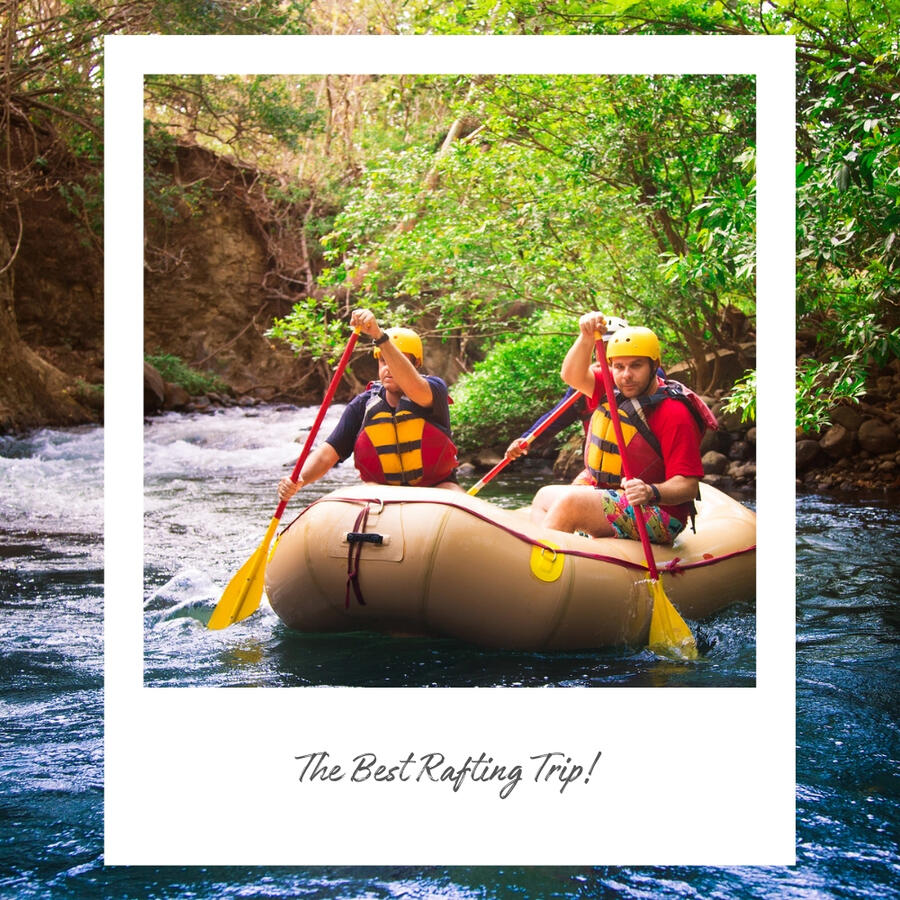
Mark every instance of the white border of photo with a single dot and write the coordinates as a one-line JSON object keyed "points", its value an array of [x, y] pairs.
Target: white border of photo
{"points": [[207, 776]]}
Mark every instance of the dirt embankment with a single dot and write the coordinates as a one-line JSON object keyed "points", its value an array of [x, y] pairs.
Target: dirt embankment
{"points": [[208, 298], [222, 260], [51, 277], [218, 268]]}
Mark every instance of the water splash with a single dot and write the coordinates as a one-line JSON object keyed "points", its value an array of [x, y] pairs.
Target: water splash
{"points": [[51, 481]]}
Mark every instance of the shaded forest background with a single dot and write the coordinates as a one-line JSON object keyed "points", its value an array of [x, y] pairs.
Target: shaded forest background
{"points": [[487, 212], [473, 209]]}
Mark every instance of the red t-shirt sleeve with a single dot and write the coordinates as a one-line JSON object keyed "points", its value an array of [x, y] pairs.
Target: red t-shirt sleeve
{"points": [[679, 439], [599, 394]]}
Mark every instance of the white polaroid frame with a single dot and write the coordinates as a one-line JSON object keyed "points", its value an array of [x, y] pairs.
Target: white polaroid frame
{"points": [[698, 776]]}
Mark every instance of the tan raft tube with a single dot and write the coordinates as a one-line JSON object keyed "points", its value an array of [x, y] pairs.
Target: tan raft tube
{"points": [[454, 565]]}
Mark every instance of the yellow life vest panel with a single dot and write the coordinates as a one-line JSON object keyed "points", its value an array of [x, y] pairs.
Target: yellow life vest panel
{"points": [[400, 446]]}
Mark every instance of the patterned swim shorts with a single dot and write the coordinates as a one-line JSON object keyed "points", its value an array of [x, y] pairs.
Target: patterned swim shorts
{"points": [[661, 527]]}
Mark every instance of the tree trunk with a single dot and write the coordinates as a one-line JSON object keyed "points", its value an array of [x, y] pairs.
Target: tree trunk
{"points": [[32, 392]]}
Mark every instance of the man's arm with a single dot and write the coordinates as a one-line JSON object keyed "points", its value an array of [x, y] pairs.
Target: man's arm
{"points": [[317, 464], [408, 379], [405, 374], [576, 368], [672, 492]]}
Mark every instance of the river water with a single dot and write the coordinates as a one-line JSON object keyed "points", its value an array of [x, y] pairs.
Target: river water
{"points": [[209, 484]]}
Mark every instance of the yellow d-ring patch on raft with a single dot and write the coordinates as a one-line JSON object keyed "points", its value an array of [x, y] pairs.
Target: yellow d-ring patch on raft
{"points": [[546, 563]]}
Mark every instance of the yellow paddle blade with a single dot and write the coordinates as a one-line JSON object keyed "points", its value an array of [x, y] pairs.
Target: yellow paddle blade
{"points": [[669, 633], [241, 598]]}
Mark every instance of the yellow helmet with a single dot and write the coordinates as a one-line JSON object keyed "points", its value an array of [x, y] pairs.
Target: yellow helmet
{"points": [[634, 341], [406, 341]]}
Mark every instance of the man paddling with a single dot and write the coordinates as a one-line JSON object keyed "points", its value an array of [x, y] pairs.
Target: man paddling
{"points": [[398, 429], [662, 425], [580, 411]]}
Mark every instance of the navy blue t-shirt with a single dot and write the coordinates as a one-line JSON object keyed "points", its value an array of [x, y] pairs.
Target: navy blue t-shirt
{"points": [[345, 433]]}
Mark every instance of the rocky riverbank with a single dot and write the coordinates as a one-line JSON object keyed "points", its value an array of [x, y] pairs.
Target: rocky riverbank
{"points": [[860, 450]]}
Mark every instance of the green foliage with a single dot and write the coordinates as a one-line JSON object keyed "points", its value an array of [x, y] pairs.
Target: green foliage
{"points": [[316, 327], [870, 341], [228, 17], [822, 385], [742, 398], [545, 206], [174, 369], [848, 190], [848, 165], [253, 116], [516, 384]]}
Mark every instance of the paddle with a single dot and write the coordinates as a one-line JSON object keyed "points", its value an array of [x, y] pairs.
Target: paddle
{"points": [[241, 598], [669, 633], [554, 414]]}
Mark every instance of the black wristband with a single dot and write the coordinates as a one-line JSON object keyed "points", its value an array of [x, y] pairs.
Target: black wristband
{"points": [[655, 490], [384, 337]]}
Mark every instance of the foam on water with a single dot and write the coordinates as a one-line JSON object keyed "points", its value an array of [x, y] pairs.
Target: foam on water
{"points": [[190, 593], [232, 441], [51, 481], [210, 485]]}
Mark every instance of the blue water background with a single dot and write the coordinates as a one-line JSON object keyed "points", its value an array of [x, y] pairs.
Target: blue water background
{"points": [[51, 803]]}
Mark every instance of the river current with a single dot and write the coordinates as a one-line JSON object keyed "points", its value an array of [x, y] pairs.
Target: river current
{"points": [[209, 493]]}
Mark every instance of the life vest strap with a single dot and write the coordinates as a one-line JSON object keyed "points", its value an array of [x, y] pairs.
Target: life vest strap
{"points": [[393, 449]]}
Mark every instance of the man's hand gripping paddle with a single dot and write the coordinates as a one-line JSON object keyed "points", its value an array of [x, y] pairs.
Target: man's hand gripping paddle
{"points": [[669, 633], [241, 598]]}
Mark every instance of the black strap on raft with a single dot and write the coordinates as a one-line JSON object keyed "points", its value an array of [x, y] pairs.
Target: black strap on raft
{"points": [[364, 537], [357, 538]]}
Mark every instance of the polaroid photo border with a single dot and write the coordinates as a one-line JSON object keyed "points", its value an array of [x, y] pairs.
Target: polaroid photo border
{"points": [[215, 776]]}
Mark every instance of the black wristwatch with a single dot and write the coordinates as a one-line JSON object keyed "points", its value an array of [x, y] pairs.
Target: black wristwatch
{"points": [[382, 339], [655, 490]]}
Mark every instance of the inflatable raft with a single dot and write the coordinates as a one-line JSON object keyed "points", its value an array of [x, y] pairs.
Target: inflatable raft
{"points": [[423, 561]]}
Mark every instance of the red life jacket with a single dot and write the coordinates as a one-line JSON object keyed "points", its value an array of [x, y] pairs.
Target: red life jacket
{"points": [[400, 446], [601, 452]]}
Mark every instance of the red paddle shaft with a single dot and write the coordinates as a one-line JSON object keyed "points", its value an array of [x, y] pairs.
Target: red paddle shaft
{"points": [[554, 414], [626, 471], [332, 387]]}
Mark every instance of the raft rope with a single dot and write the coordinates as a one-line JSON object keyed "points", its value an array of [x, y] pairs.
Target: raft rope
{"points": [[672, 567], [353, 555]]}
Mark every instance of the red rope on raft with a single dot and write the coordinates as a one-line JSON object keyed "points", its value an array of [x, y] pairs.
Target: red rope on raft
{"points": [[673, 567]]}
